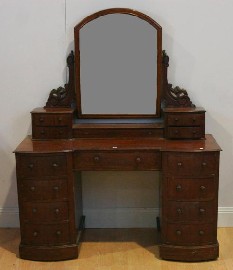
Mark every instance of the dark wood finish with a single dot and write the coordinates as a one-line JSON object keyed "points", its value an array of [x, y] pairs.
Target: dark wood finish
{"points": [[49, 209], [46, 203], [189, 205], [184, 123], [173, 97], [64, 96], [52, 123], [118, 130], [77, 61]]}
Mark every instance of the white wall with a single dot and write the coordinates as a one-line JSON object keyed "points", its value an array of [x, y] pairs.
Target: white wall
{"points": [[35, 38]]}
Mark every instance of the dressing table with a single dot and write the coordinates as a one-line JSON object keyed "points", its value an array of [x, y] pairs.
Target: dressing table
{"points": [[81, 128]]}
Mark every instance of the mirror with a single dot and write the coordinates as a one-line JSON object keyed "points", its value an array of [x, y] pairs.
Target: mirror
{"points": [[118, 65]]}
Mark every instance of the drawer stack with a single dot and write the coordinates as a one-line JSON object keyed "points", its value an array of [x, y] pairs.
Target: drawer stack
{"points": [[52, 123], [184, 123], [46, 203], [189, 206]]}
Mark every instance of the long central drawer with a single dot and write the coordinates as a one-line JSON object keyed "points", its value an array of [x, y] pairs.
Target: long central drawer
{"points": [[117, 160]]}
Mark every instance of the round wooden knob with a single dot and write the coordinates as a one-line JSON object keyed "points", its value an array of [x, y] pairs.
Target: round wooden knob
{"points": [[176, 119], [178, 187], [194, 119], [42, 132], [96, 158], [60, 132], [41, 119], [178, 232], [31, 166], [202, 210], [35, 234], [204, 164], [60, 119], [179, 164], [58, 233], [176, 131], [34, 210], [138, 159], [55, 165], [55, 188], [32, 188], [202, 188], [201, 232], [57, 211], [179, 210]]}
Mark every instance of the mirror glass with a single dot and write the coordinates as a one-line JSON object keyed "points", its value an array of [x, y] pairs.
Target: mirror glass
{"points": [[118, 66]]}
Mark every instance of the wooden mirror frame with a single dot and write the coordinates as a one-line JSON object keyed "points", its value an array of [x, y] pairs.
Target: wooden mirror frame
{"points": [[131, 12]]}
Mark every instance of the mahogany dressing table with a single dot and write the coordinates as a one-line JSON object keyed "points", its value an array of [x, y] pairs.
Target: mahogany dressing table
{"points": [[66, 139]]}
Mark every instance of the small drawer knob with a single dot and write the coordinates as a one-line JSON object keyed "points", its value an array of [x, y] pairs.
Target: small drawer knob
{"points": [[178, 232], [60, 132], [58, 233], [57, 211], [41, 119], [176, 131], [55, 188], [194, 119], [55, 165], [138, 159], [176, 119], [201, 232], [42, 132], [150, 133], [202, 210], [32, 188], [96, 158], [178, 188], [31, 166], [179, 210], [34, 210], [194, 132], [35, 234], [202, 188], [59, 119], [204, 164], [179, 164]]}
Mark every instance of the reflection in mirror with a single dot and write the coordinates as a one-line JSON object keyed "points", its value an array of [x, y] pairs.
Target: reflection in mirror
{"points": [[118, 66]]}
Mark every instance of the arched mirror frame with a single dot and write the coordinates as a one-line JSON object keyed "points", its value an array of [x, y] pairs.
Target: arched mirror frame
{"points": [[77, 63]]}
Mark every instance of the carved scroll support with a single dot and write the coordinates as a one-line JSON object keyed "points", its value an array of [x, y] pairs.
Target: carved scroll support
{"points": [[173, 97], [64, 97]]}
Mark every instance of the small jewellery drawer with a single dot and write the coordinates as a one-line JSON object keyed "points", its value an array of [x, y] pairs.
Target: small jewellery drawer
{"points": [[191, 164], [117, 160], [41, 165], [191, 234], [39, 212], [191, 189], [187, 119], [52, 119], [51, 133], [190, 211], [185, 132], [39, 190], [37, 234]]}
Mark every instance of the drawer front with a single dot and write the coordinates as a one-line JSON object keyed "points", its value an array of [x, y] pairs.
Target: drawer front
{"points": [[190, 234], [37, 234], [191, 189], [52, 119], [51, 133], [110, 133], [191, 164], [190, 211], [187, 119], [121, 160], [185, 132], [39, 212], [41, 165], [40, 190]]}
